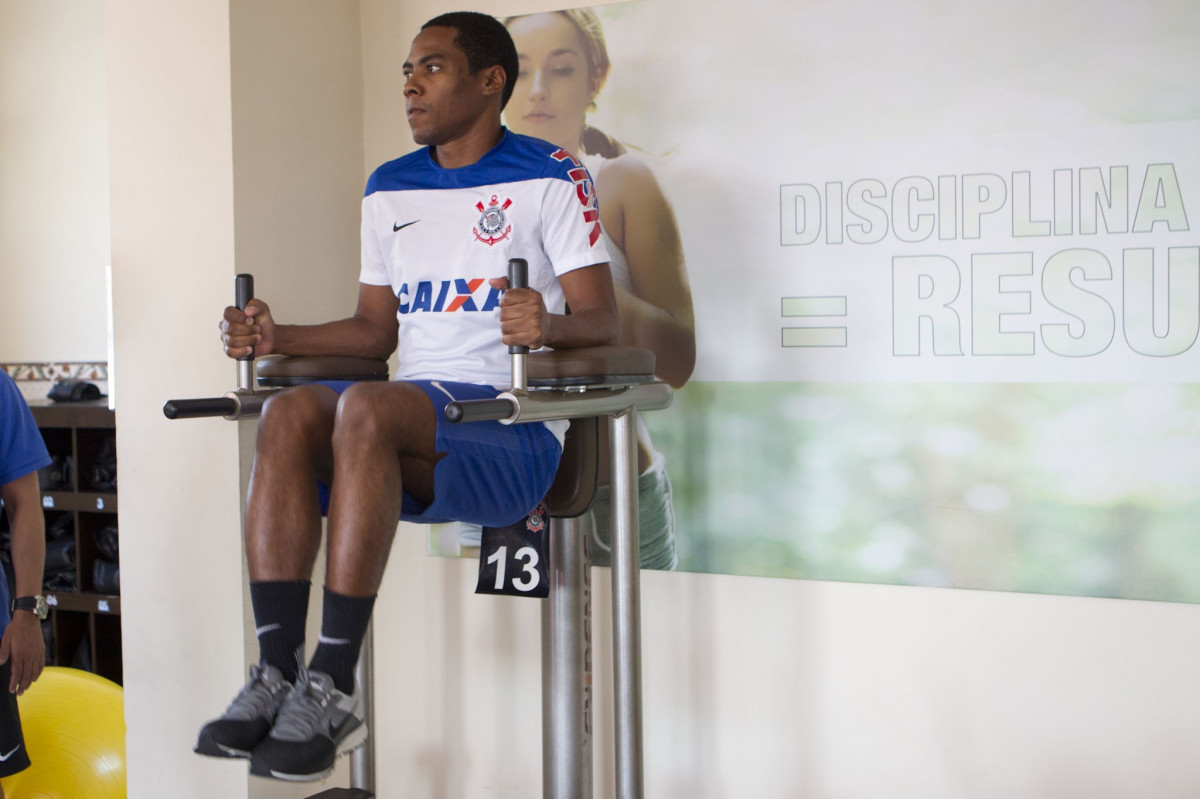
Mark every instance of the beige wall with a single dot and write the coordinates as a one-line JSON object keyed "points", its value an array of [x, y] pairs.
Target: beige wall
{"points": [[53, 182], [297, 159], [754, 688], [172, 250], [236, 146]]}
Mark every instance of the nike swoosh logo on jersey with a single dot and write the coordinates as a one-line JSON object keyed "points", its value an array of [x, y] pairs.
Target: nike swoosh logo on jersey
{"points": [[396, 227], [7, 755]]}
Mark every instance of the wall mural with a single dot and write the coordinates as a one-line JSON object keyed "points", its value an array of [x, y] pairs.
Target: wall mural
{"points": [[945, 291]]}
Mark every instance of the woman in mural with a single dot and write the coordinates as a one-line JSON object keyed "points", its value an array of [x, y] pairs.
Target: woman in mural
{"points": [[564, 63]]}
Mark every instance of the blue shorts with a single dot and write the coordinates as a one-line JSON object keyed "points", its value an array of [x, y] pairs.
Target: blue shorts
{"points": [[493, 474], [12, 740]]}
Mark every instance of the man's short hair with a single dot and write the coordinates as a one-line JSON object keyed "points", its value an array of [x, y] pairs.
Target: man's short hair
{"points": [[485, 41]]}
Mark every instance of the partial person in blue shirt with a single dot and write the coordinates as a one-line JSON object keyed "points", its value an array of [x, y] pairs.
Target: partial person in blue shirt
{"points": [[22, 650]]}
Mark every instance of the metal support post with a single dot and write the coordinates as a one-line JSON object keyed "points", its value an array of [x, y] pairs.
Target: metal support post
{"points": [[567, 665], [626, 601], [362, 759]]}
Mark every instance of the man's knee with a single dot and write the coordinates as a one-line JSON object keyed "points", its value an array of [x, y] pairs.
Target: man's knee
{"points": [[393, 412], [300, 414]]}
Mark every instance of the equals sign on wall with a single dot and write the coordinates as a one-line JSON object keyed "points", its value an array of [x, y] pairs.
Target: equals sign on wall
{"points": [[820, 315]]}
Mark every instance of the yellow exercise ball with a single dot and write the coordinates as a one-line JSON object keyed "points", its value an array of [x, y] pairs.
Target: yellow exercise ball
{"points": [[74, 725]]}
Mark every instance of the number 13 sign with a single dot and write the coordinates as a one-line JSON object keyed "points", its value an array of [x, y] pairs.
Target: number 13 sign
{"points": [[514, 560]]}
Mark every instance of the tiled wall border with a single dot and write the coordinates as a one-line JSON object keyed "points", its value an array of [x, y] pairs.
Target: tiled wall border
{"points": [[55, 371], [35, 379]]}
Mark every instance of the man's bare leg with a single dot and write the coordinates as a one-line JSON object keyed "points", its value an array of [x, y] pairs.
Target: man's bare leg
{"points": [[283, 518], [283, 514], [384, 444], [283, 529]]}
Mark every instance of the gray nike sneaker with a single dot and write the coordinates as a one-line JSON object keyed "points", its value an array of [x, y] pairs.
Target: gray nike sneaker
{"points": [[248, 718], [316, 723]]}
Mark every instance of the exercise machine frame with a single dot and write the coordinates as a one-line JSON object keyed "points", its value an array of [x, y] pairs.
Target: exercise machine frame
{"points": [[566, 617]]}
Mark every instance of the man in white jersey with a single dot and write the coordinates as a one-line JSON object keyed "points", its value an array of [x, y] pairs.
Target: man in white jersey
{"points": [[438, 228]]}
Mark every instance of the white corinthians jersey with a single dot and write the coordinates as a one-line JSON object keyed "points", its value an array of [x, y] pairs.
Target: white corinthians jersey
{"points": [[436, 235]]}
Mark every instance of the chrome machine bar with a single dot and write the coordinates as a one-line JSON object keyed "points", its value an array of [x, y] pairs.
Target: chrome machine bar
{"points": [[518, 278], [362, 759], [243, 292], [544, 405], [626, 600], [567, 665]]}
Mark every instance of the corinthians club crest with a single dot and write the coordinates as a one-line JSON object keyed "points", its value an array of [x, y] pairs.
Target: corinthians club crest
{"points": [[493, 224], [535, 522]]}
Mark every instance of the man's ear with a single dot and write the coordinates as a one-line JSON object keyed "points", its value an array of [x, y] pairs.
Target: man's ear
{"points": [[494, 80]]}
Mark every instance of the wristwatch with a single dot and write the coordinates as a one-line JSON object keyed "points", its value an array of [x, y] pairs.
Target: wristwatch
{"points": [[35, 604]]}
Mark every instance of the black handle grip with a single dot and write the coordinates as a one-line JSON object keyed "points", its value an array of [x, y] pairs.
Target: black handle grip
{"points": [[483, 410], [243, 292], [518, 273], [196, 408], [518, 278]]}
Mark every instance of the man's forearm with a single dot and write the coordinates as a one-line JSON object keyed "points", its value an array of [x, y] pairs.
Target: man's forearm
{"points": [[355, 336], [29, 553], [594, 327], [28, 524]]}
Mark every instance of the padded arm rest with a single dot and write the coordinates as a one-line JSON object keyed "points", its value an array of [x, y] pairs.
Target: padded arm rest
{"points": [[295, 370], [591, 366]]}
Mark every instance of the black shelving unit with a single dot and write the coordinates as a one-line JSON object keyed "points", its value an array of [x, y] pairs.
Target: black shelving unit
{"points": [[85, 623]]}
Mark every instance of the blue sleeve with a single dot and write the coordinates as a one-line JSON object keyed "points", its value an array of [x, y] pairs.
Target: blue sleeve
{"points": [[21, 447]]}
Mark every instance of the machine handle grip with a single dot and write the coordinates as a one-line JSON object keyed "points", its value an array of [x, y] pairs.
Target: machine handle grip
{"points": [[243, 292], [518, 278], [196, 408]]}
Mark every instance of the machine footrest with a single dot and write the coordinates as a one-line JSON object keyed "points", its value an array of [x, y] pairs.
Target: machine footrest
{"points": [[343, 793]]}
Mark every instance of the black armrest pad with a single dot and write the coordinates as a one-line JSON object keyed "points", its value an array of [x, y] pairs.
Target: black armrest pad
{"points": [[294, 370], [590, 366]]}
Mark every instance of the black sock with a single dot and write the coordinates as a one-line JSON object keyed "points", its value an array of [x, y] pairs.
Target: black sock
{"points": [[343, 626], [280, 613]]}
